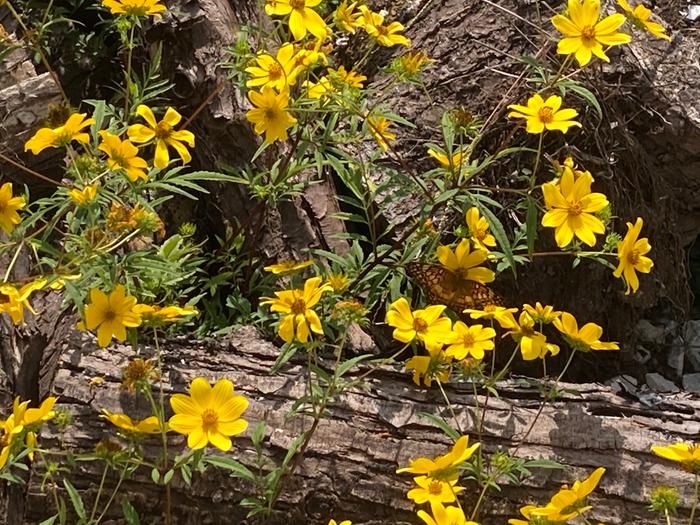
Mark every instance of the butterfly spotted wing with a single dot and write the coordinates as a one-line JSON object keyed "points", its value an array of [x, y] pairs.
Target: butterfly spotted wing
{"points": [[443, 286]]}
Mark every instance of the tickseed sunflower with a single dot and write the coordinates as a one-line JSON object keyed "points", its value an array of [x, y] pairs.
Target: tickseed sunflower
{"points": [[585, 34], [541, 314], [631, 253], [465, 262], [9, 204], [150, 425], [338, 281], [426, 325], [585, 339], [14, 299], [10, 429], [152, 315], [123, 155], [684, 453], [208, 415], [432, 490], [346, 522], [444, 466], [278, 72], [270, 114], [639, 16], [319, 89], [379, 128], [111, 314], [297, 306], [83, 196], [572, 207], [526, 512], [569, 503], [444, 516], [503, 315], [448, 162], [425, 368], [385, 35], [135, 7], [302, 18], [346, 16], [541, 115], [60, 136], [533, 344], [470, 341], [411, 64], [283, 267], [479, 230], [163, 134], [351, 78]]}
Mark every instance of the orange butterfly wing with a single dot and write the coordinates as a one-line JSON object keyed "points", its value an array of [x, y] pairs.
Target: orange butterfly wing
{"points": [[444, 286]]}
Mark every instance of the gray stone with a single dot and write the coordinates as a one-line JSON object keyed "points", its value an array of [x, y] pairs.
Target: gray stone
{"points": [[649, 333], [641, 355], [659, 383], [691, 383], [676, 356]]}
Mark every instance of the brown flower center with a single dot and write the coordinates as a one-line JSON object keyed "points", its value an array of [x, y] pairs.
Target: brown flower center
{"points": [[575, 208], [119, 160], [274, 71], [383, 30], [435, 487], [209, 418], [4, 298], [419, 325], [163, 130], [468, 339], [588, 34], [546, 114], [110, 315], [297, 4], [270, 115], [633, 257], [298, 306]]}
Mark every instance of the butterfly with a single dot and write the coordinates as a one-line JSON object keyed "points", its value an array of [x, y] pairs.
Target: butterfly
{"points": [[443, 286]]}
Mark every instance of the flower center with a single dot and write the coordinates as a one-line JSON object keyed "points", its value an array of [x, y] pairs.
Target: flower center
{"points": [[480, 233], [209, 418], [490, 308], [274, 71], [119, 160], [110, 315], [297, 4], [270, 115], [419, 325], [4, 298], [435, 487], [298, 306], [633, 257], [468, 340], [588, 34], [546, 114], [163, 130], [382, 30], [575, 208]]}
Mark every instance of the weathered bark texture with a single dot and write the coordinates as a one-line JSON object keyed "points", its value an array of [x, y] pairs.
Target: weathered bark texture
{"points": [[349, 468]]}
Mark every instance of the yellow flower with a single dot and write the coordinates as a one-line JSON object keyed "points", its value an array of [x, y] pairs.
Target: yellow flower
{"points": [[542, 314], [84, 196], [208, 415], [412, 63], [449, 162], [379, 128], [470, 341], [639, 16], [631, 252], [14, 300], [60, 136], [11, 428], [572, 205], [123, 155], [443, 467], [526, 511], [444, 516], [160, 315], [338, 281], [45, 412], [309, 55], [432, 490], [685, 454], [351, 78], [500, 313], [163, 134], [300, 319], [584, 34], [388, 35], [533, 344], [346, 17], [346, 522], [428, 367], [320, 89], [426, 325], [270, 114], [134, 7], [277, 72], [479, 229], [541, 115], [150, 425], [585, 339], [21, 419], [569, 503], [465, 262], [288, 266], [302, 18], [9, 205], [111, 314]]}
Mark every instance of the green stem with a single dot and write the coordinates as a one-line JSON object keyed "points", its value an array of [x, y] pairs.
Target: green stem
{"points": [[533, 175], [127, 86], [449, 406], [163, 429], [114, 494], [696, 498], [12, 262], [99, 491]]}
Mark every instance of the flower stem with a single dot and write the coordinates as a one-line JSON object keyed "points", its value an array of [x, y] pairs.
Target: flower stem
{"points": [[127, 85], [99, 492], [696, 498], [449, 406], [163, 429]]}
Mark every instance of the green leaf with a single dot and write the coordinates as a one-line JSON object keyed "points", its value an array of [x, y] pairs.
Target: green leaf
{"points": [[345, 366], [130, 514], [500, 234], [75, 499], [583, 92], [441, 424], [236, 469], [51, 520], [155, 476], [258, 434]]}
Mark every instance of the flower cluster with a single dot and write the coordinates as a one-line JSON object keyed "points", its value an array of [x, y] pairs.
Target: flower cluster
{"points": [[21, 425]]}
